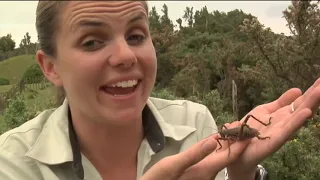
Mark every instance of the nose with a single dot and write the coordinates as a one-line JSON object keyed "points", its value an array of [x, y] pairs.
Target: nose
{"points": [[122, 55]]}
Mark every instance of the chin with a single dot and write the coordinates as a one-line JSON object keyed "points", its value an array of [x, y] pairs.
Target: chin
{"points": [[123, 116]]}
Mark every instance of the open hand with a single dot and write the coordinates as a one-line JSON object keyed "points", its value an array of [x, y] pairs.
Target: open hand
{"points": [[201, 162], [284, 124]]}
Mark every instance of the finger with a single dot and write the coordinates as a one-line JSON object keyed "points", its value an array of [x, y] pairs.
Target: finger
{"points": [[227, 125], [215, 162], [312, 101], [284, 100], [289, 128], [299, 100], [296, 103], [297, 121], [289, 108], [172, 167]]}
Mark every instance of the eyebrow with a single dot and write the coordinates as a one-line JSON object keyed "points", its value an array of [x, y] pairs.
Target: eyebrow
{"points": [[137, 17], [92, 23], [88, 23]]}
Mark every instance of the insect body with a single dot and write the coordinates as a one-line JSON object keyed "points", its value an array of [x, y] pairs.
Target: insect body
{"points": [[241, 133]]}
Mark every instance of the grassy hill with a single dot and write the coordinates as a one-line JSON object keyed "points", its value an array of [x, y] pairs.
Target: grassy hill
{"points": [[13, 68], [5, 88]]}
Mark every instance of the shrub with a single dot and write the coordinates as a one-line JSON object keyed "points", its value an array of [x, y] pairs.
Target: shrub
{"points": [[4, 81], [3, 104], [163, 93], [33, 73], [298, 159], [16, 113]]}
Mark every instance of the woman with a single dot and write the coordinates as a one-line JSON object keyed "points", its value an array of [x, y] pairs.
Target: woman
{"points": [[108, 127]]}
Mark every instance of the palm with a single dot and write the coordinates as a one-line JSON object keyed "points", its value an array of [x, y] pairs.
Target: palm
{"points": [[283, 125], [276, 131]]}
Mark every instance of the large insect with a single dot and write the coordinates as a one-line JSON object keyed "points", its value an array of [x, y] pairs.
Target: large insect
{"points": [[242, 132]]}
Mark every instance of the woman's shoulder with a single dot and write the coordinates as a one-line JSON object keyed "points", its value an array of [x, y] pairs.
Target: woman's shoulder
{"points": [[182, 112], [181, 104], [19, 139], [16, 143]]}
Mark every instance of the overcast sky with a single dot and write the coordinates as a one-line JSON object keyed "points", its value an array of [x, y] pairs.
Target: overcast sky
{"points": [[18, 17]]}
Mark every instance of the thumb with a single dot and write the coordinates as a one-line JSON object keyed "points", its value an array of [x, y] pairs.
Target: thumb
{"points": [[170, 168]]}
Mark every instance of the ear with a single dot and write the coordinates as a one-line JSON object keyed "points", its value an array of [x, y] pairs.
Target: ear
{"points": [[49, 67]]}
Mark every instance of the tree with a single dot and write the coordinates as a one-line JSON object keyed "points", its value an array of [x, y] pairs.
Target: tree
{"points": [[25, 42], [154, 19], [165, 20], [282, 62], [188, 16], [287, 61], [7, 44]]}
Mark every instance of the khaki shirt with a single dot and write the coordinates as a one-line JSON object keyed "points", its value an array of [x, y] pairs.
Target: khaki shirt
{"points": [[46, 147]]}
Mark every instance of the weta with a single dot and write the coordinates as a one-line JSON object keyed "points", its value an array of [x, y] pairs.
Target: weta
{"points": [[241, 133]]}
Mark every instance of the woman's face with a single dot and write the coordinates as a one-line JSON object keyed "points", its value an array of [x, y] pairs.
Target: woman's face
{"points": [[105, 59]]}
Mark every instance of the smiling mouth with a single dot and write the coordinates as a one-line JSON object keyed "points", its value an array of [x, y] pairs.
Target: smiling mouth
{"points": [[122, 88]]}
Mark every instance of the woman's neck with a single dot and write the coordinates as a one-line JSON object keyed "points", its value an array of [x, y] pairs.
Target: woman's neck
{"points": [[106, 146]]}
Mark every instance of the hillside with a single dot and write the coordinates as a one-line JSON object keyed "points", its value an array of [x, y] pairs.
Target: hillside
{"points": [[13, 68]]}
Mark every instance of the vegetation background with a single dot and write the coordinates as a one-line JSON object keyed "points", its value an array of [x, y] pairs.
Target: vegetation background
{"points": [[228, 61]]}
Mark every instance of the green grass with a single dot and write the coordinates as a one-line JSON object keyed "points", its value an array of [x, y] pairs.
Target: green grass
{"points": [[40, 99], [13, 68], [5, 88]]}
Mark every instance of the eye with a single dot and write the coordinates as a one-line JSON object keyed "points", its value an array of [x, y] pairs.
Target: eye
{"points": [[92, 45], [136, 39]]}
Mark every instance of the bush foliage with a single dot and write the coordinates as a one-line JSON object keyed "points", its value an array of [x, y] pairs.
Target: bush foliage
{"points": [[4, 81]]}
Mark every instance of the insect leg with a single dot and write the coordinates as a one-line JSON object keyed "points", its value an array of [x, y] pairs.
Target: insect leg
{"points": [[266, 124], [219, 143], [221, 138], [228, 148], [224, 126], [246, 119], [243, 125]]}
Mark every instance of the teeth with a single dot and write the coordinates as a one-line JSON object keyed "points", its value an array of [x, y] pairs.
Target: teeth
{"points": [[125, 84], [118, 95]]}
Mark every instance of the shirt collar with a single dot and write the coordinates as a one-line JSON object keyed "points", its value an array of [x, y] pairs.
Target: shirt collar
{"points": [[57, 143]]}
